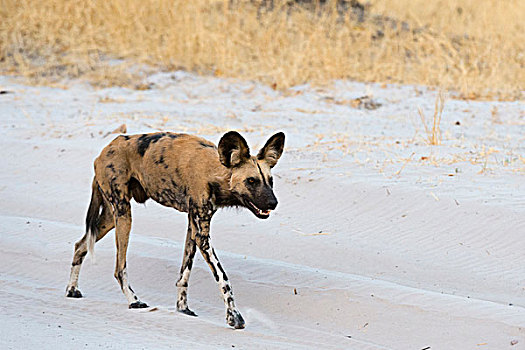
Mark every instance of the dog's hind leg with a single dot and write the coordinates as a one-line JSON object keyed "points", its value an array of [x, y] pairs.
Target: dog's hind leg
{"points": [[122, 230], [233, 316], [103, 222], [185, 270]]}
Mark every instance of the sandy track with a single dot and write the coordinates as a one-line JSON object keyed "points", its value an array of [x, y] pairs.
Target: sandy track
{"points": [[345, 261]]}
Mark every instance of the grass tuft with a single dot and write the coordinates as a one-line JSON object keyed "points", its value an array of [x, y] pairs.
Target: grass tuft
{"points": [[433, 131]]}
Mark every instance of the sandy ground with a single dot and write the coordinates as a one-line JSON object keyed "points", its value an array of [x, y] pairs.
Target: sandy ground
{"points": [[380, 241]]}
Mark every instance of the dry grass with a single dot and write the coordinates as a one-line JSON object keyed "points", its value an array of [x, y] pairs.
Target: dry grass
{"points": [[475, 47], [433, 130]]}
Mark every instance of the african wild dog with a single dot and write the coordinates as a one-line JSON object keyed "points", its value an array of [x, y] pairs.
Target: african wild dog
{"points": [[189, 174]]}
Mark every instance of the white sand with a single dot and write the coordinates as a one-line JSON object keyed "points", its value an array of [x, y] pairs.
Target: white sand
{"points": [[396, 245]]}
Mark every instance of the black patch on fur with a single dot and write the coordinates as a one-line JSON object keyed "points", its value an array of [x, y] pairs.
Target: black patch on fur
{"points": [[160, 160], [213, 270], [167, 196], [117, 192], [224, 277], [123, 209], [172, 196], [110, 152], [145, 140], [111, 167], [79, 259], [206, 145], [126, 137], [190, 249], [174, 136], [106, 195], [215, 191], [137, 191], [119, 279], [222, 198], [189, 253], [262, 175]]}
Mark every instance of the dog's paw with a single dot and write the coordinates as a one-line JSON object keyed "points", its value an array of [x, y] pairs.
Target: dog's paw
{"points": [[234, 319], [187, 311], [138, 305], [73, 293]]}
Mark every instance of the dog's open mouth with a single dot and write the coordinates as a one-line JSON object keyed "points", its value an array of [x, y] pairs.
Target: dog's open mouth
{"points": [[258, 212]]}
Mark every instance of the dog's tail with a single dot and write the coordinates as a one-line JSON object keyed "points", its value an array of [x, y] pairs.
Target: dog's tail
{"points": [[93, 217]]}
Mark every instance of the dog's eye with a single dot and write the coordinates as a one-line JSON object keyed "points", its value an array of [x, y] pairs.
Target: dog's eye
{"points": [[252, 180]]}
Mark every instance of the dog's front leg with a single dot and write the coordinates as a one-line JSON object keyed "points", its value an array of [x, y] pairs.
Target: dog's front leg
{"points": [[202, 237]]}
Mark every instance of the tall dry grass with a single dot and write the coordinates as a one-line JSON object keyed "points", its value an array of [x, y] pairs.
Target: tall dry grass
{"points": [[433, 131], [476, 47]]}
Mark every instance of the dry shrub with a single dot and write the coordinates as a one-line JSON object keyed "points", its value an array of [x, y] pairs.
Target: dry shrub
{"points": [[474, 47]]}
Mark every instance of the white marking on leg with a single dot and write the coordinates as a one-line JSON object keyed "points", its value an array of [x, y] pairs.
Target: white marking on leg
{"points": [[233, 316], [130, 295], [183, 281], [182, 289], [91, 239], [73, 277], [224, 285]]}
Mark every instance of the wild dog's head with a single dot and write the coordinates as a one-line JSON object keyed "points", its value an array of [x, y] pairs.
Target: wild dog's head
{"points": [[251, 181]]}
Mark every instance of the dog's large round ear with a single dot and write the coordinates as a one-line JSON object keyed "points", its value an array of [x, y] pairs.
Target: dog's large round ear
{"points": [[272, 150], [233, 149]]}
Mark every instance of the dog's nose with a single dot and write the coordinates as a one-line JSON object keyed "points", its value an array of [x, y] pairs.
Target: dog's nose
{"points": [[272, 203]]}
